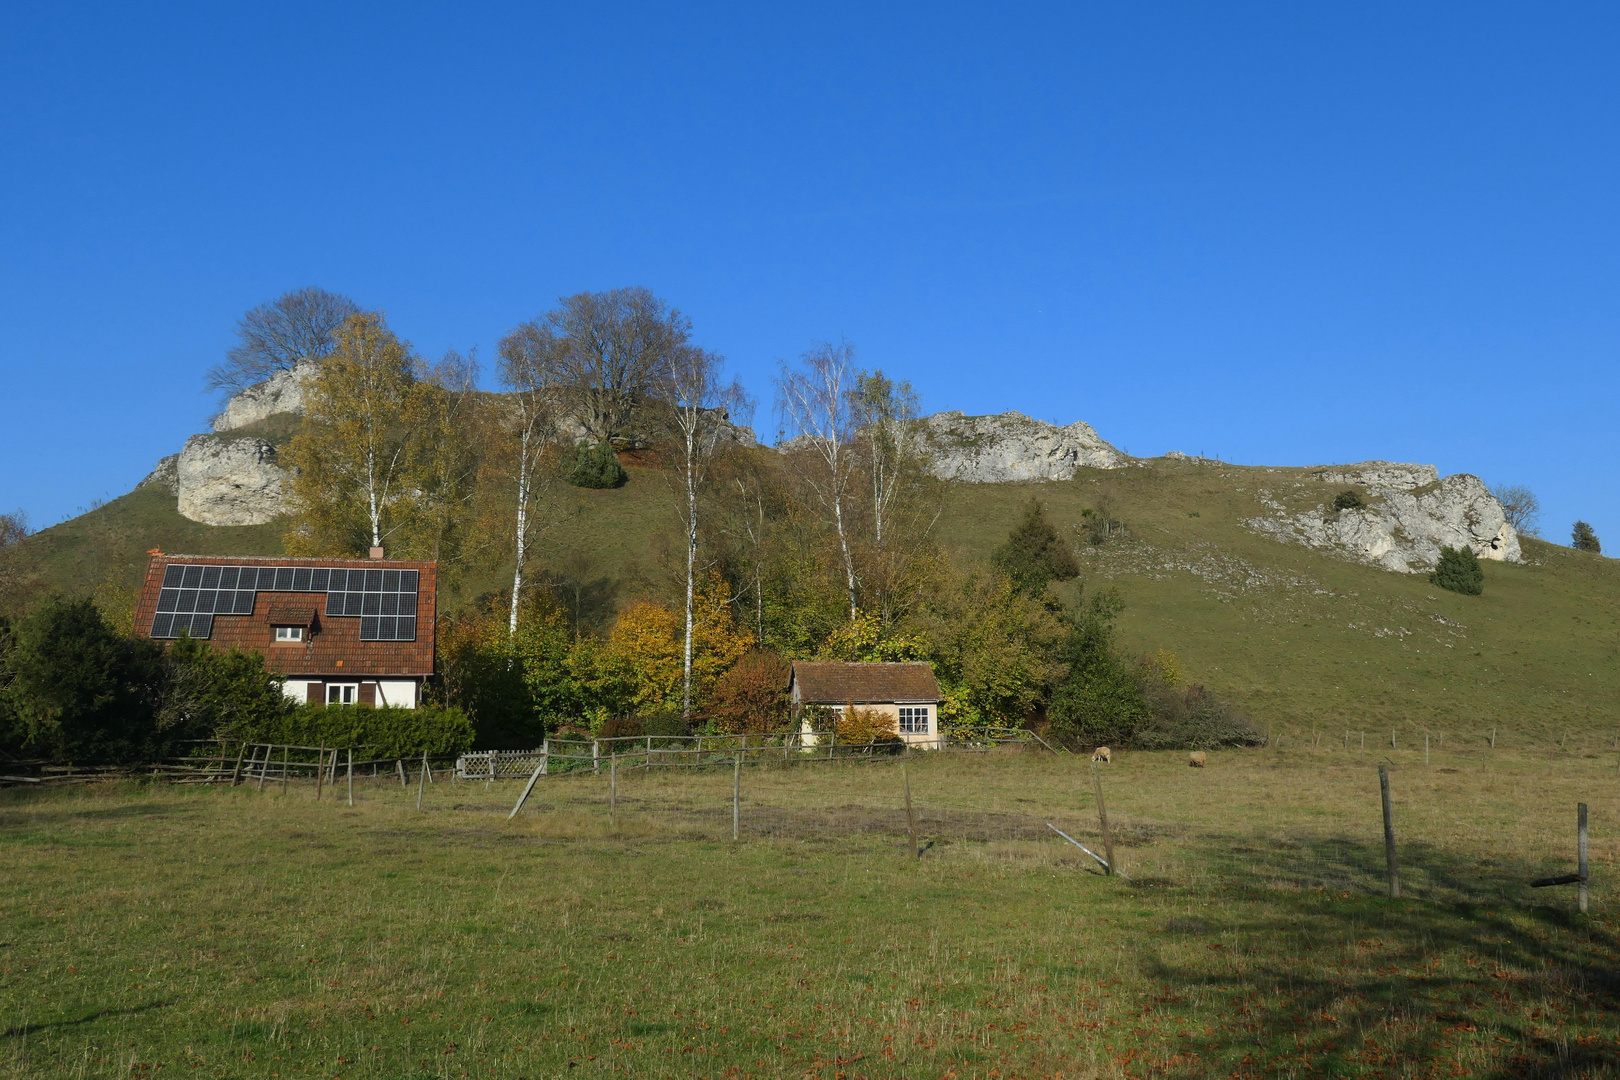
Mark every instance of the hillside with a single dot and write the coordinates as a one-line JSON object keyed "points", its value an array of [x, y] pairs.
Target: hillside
{"points": [[1299, 637]]}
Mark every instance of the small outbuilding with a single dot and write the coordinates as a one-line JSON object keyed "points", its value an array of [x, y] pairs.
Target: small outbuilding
{"points": [[908, 692]]}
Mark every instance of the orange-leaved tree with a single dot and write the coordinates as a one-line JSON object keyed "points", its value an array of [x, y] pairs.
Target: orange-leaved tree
{"points": [[650, 639]]}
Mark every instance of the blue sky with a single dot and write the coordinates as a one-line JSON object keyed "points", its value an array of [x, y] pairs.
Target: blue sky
{"points": [[1283, 234]]}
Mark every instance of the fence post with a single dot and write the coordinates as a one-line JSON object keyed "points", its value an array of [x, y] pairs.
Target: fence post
{"points": [[351, 776], [262, 765], [400, 765], [320, 772], [1102, 816], [1389, 834], [1493, 738], [596, 757], [1580, 847], [911, 817], [421, 780], [1425, 748], [545, 757], [736, 796], [649, 751], [613, 791], [236, 773], [286, 755]]}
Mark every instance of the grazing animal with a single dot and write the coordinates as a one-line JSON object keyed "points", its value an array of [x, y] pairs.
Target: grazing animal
{"points": [[1102, 753], [1197, 760]]}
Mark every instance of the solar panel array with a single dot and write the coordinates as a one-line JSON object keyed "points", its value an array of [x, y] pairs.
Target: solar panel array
{"points": [[383, 600]]}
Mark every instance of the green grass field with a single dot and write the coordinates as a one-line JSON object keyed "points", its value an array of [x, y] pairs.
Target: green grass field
{"points": [[234, 932], [1297, 637]]}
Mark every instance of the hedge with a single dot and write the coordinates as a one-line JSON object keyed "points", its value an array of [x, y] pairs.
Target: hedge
{"points": [[386, 732]]}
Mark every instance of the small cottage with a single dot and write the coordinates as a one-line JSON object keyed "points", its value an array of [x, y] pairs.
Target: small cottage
{"points": [[907, 692], [342, 631]]}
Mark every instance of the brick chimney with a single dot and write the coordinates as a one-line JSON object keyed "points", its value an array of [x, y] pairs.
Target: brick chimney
{"points": [[376, 553]]}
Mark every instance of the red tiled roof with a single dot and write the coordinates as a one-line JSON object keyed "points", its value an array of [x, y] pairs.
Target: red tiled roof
{"points": [[290, 615], [336, 650], [836, 682]]}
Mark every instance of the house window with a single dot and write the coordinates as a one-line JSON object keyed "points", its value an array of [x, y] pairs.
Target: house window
{"points": [[914, 719], [341, 693], [289, 633]]}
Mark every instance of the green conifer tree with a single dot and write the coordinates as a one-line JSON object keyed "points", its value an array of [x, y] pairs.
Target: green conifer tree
{"points": [[1459, 571], [1034, 555], [1585, 539]]}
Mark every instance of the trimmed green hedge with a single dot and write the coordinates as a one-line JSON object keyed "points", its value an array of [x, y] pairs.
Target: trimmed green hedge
{"points": [[386, 732]]}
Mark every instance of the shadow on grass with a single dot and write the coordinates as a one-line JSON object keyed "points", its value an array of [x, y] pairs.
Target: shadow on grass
{"points": [[1317, 973], [29, 1029]]}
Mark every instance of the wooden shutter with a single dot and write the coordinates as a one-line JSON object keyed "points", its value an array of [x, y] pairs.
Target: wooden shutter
{"points": [[368, 693], [316, 694]]}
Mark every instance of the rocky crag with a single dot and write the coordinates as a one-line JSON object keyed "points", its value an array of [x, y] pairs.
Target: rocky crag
{"points": [[1410, 512], [1011, 446]]}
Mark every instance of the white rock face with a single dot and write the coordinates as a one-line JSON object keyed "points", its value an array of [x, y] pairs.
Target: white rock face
{"points": [[165, 475], [1011, 446], [1411, 513], [230, 481], [283, 392]]}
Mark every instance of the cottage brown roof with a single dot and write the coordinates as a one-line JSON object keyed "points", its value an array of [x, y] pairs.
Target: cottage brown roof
{"points": [[834, 682]]}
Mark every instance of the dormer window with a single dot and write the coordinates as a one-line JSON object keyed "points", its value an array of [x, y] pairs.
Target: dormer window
{"points": [[289, 633]]}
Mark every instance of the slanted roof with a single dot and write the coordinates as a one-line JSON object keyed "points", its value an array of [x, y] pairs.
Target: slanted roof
{"points": [[291, 615], [835, 682]]}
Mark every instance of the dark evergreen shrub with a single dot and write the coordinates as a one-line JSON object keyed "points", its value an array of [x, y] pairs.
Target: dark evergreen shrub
{"points": [[1034, 555], [1348, 500], [1584, 538], [596, 466], [1459, 571]]}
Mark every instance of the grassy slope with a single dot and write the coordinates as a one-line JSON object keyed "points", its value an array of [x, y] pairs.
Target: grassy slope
{"points": [[195, 932], [1299, 637]]}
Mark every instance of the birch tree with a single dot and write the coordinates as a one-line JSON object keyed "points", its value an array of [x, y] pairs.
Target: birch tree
{"points": [[531, 369], [885, 414], [699, 404], [814, 404], [351, 460], [446, 423]]}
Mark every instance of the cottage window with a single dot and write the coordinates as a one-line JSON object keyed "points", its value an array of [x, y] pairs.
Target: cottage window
{"points": [[914, 719], [341, 693], [289, 633]]}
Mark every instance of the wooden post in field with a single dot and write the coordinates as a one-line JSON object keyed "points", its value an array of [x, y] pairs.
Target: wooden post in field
{"points": [[421, 780], [351, 776], [1425, 748], [649, 751], [1102, 817], [1493, 738], [320, 772], [533, 778], [286, 754], [911, 817], [596, 757], [736, 797], [1389, 834], [1392, 738], [1580, 849], [261, 767], [400, 765], [545, 757], [236, 773], [613, 791]]}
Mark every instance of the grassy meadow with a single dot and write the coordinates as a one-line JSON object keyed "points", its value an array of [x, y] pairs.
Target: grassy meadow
{"points": [[237, 932]]}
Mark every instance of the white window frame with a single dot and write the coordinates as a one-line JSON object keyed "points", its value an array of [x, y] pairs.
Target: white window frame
{"points": [[917, 714], [289, 634], [348, 690]]}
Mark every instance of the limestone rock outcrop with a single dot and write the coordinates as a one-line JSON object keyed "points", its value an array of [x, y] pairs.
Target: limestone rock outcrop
{"points": [[165, 474], [283, 392], [1011, 446], [1410, 513], [230, 481]]}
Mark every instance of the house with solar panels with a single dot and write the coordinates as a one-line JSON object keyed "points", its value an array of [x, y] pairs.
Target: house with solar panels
{"points": [[343, 631]]}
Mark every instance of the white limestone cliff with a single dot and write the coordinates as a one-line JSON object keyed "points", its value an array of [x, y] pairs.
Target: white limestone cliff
{"points": [[230, 481], [1011, 446]]}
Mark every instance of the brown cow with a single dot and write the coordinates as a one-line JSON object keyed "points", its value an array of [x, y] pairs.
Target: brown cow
{"points": [[1102, 753], [1197, 760]]}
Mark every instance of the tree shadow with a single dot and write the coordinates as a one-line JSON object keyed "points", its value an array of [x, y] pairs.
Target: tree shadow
{"points": [[29, 1029], [1316, 973]]}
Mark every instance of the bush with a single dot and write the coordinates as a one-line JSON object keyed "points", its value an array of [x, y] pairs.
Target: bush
{"points": [[1189, 719], [752, 696], [663, 723], [207, 694], [1033, 555], [1348, 500], [1585, 538], [1459, 571], [861, 727], [78, 690], [386, 733], [596, 467], [1100, 700]]}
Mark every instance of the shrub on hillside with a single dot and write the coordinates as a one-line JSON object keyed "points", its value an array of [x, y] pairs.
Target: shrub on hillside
{"points": [[207, 694], [1033, 555], [596, 466], [1189, 718], [1459, 571], [1348, 500], [386, 732], [1585, 538], [1099, 700]]}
